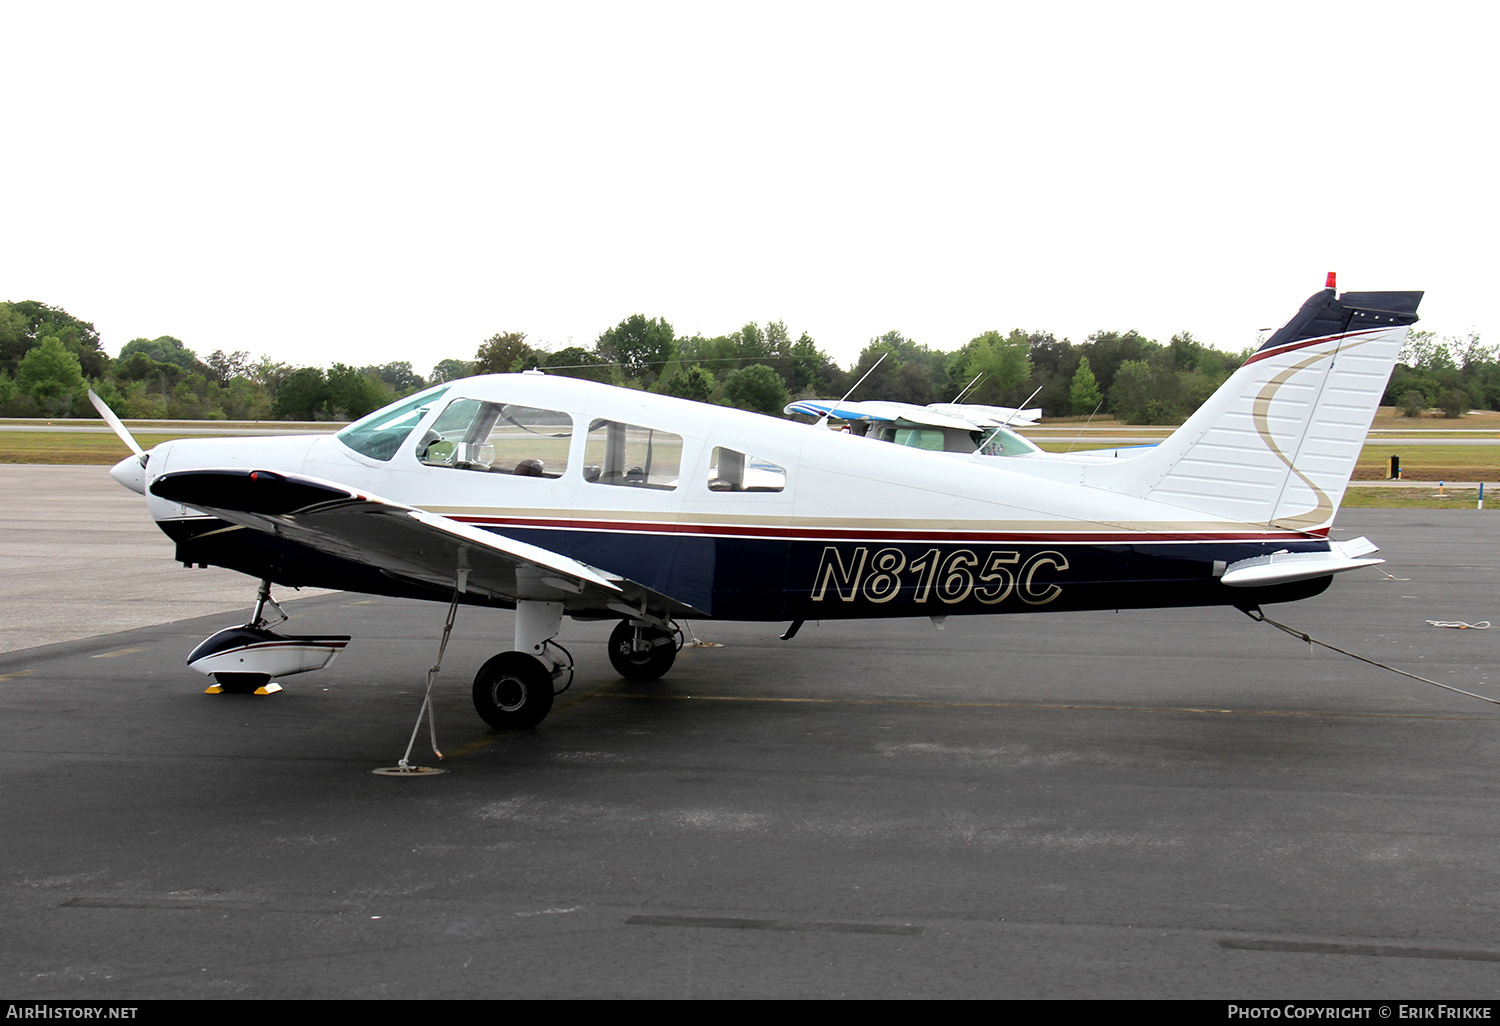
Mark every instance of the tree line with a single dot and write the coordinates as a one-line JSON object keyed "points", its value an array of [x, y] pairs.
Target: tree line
{"points": [[49, 359]]}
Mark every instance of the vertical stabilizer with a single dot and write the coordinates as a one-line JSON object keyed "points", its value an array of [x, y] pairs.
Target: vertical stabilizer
{"points": [[1277, 443]]}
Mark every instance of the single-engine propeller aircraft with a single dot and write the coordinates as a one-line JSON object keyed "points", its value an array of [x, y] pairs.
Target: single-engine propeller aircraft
{"points": [[559, 497]]}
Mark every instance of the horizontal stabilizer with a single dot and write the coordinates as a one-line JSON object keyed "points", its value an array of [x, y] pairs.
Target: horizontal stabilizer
{"points": [[1287, 567]]}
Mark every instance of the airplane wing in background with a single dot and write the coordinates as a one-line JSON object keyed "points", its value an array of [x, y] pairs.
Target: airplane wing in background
{"points": [[402, 540], [832, 408], [878, 411], [989, 416], [946, 415]]}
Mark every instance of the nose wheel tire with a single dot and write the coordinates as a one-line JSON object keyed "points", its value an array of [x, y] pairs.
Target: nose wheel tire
{"points": [[654, 655], [513, 691]]}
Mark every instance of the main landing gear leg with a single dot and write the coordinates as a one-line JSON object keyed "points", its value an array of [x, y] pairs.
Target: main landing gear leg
{"points": [[514, 690], [643, 651]]}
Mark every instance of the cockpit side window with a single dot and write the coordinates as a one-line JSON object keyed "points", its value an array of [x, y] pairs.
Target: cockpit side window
{"points": [[631, 455], [498, 438], [920, 438], [730, 470], [379, 435]]}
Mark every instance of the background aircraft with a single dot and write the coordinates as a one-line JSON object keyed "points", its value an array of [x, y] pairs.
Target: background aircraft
{"points": [[559, 497], [943, 427]]}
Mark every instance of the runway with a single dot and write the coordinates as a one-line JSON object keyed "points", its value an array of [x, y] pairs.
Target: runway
{"points": [[1178, 804]]}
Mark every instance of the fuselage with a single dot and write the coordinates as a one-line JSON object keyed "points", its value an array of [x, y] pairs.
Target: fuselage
{"points": [[734, 515]]}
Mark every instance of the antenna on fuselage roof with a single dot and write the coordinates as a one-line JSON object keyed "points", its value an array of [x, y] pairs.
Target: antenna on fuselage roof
{"points": [[986, 439], [960, 397], [824, 419], [1017, 411]]}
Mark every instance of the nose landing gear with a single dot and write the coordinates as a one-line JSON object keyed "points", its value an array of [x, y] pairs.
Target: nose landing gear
{"points": [[242, 660]]}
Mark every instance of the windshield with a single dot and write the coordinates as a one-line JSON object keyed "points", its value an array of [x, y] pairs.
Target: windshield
{"points": [[1005, 442], [379, 435]]}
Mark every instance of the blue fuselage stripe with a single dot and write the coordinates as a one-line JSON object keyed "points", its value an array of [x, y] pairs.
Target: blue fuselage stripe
{"points": [[748, 578]]}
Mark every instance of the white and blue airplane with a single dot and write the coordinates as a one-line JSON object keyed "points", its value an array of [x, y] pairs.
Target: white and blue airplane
{"points": [[558, 498]]}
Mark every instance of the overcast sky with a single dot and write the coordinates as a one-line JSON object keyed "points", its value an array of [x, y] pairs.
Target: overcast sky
{"points": [[367, 182]]}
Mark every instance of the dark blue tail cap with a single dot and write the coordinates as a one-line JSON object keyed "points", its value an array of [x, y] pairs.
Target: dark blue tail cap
{"points": [[1328, 313]]}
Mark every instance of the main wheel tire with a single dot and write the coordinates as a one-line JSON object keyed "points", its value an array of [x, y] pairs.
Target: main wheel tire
{"points": [[241, 683], [649, 664], [513, 691]]}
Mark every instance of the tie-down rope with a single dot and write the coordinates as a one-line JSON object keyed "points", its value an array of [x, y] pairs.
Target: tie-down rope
{"points": [[1254, 613], [427, 698]]}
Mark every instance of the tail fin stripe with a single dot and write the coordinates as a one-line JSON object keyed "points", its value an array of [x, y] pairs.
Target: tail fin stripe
{"points": [[1304, 343]]}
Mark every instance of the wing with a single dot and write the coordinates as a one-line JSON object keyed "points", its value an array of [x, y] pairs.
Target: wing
{"points": [[407, 542], [834, 408], [988, 416], [883, 411]]}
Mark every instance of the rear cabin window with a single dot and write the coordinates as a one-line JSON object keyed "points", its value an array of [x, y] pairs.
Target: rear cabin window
{"points": [[733, 471], [498, 438], [632, 456]]}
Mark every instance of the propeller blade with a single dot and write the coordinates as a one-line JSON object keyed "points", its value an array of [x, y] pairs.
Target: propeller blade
{"points": [[116, 426]]}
